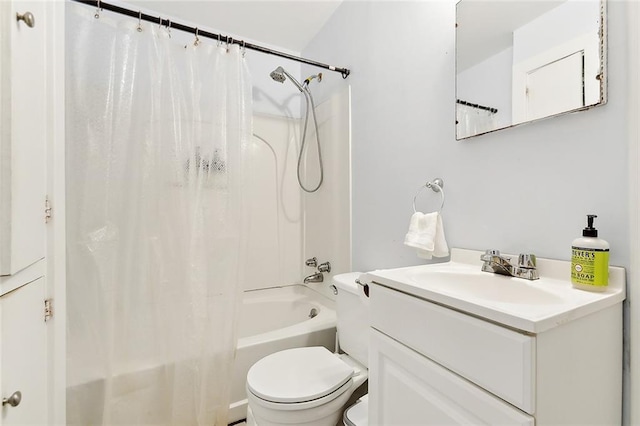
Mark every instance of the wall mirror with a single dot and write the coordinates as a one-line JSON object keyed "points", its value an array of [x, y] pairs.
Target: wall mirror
{"points": [[519, 61]]}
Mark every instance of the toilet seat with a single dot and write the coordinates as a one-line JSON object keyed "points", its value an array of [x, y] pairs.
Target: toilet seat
{"points": [[299, 375]]}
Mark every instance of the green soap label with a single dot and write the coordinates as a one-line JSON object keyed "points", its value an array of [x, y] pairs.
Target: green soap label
{"points": [[590, 266]]}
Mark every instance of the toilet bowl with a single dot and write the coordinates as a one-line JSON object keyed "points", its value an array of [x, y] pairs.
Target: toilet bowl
{"points": [[310, 386]]}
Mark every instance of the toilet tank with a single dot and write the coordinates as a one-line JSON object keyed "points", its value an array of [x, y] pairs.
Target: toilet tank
{"points": [[352, 309]]}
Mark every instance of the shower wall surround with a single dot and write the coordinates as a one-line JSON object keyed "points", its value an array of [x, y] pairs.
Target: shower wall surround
{"points": [[274, 204], [327, 212], [517, 190], [287, 225]]}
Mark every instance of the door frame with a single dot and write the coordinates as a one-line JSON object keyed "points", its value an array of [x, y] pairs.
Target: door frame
{"points": [[632, 316], [55, 254]]}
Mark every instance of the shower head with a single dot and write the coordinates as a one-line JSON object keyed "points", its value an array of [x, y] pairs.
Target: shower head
{"points": [[280, 75]]}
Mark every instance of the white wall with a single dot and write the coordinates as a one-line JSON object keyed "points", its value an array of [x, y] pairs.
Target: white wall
{"points": [[524, 189]]}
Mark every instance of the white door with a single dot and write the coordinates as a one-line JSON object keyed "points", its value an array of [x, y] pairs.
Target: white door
{"points": [[23, 133], [22, 353], [406, 388], [555, 87]]}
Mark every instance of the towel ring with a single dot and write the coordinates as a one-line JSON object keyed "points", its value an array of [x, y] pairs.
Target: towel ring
{"points": [[436, 186]]}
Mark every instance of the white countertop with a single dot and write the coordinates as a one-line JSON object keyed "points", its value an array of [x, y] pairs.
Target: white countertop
{"points": [[530, 306]]}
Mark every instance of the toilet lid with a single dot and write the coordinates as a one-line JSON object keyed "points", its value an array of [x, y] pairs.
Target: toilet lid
{"points": [[298, 375]]}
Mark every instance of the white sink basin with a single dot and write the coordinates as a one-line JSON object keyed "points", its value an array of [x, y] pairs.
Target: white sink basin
{"points": [[531, 306], [486, 286]]}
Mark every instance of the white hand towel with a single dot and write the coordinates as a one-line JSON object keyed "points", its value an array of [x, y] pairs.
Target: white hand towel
{"points": [[426, 235]]}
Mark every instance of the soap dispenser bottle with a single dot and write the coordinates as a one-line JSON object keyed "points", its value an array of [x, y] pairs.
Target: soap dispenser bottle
{"points": [[590, 260]]}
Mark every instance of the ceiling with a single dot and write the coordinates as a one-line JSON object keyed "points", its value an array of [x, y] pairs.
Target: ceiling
{"points": [[485, 27], [289, 24]]}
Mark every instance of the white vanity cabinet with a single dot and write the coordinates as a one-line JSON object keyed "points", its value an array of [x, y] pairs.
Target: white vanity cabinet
{"points": [[431, 364]]}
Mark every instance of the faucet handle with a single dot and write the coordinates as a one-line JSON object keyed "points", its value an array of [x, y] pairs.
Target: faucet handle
{"points": [[488, 254], [527, 260], [311, 262], [324, 267]]}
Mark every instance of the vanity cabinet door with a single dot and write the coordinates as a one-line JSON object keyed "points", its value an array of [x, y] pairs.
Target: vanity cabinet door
{"points": [[497, 359], [406, 388]]}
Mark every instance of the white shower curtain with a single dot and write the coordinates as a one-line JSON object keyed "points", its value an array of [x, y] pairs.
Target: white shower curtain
{"points": [[156, 141]]}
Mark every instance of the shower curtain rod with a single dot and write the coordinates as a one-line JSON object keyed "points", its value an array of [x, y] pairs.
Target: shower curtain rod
{"points": [[469, 104], [201, 33]]}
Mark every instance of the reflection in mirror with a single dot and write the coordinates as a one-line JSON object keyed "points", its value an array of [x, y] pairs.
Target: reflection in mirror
{"points": [[519, 61]]}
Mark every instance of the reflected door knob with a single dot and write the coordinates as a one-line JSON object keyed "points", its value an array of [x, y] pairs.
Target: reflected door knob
{"points": [[28, 19], [13, 400]]}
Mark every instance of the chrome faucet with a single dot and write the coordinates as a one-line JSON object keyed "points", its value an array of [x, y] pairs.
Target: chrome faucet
{"points": [[317, 277], [314, 278], [494, 262]]}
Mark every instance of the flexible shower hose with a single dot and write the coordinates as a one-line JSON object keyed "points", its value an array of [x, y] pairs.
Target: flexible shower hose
{"points": [[309, 99]]}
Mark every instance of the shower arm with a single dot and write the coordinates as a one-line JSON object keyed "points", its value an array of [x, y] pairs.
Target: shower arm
{"points": [[294, 81]]}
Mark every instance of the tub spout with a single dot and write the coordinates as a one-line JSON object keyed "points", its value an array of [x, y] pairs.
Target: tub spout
{"points": [[314, 278]]}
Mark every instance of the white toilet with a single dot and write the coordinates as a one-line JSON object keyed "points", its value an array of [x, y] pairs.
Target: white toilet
{"points": [[310, 386]]}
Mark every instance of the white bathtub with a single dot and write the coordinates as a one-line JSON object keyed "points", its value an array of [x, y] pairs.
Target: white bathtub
{"points": [[271, 320], [275, 319]]}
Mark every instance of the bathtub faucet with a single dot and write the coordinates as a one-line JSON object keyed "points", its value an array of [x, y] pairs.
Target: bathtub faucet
{"points": [[314, 278]]}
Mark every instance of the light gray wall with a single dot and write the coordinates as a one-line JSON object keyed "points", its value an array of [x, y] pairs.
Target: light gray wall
{"points": [[525, 189]]}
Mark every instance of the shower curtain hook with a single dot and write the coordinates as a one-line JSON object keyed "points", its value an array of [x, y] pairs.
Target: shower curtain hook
{"points": [[139, 21], [197, 40], [169, 27], [244, 48], [159, 22], [97, 15], [229, 43]]}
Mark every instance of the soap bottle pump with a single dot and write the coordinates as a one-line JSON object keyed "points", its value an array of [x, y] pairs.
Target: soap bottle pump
{"points": [[590, 260]]}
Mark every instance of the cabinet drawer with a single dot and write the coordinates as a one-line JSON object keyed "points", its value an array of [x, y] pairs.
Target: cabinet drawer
{"points": [[497, 359], [406, 388]]}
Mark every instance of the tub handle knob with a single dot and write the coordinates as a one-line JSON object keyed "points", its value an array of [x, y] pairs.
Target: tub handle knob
{"points": [[312, 262], [324, 267]]}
